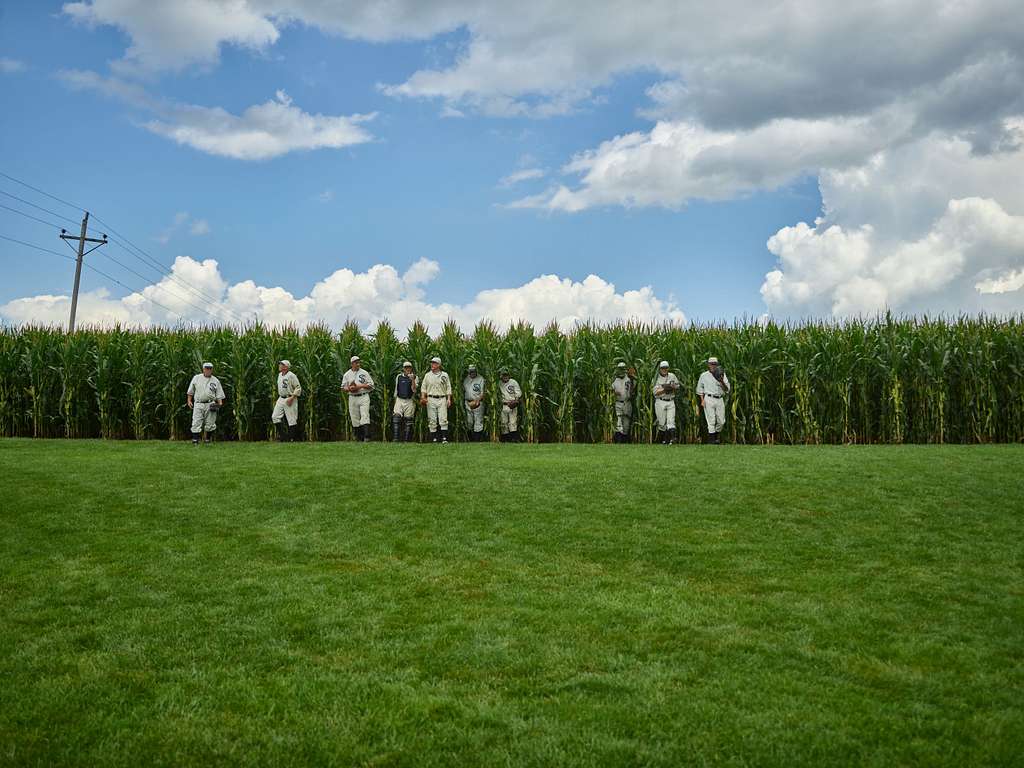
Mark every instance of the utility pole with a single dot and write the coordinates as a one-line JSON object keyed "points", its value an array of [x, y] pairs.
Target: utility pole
{"points": [[82, 240]]}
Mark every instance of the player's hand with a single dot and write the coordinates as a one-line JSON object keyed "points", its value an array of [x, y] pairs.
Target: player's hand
{"points": [[291, 400]]}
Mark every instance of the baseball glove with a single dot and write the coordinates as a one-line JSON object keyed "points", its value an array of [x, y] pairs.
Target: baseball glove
{"points": [[631, 372], [214, 407]]}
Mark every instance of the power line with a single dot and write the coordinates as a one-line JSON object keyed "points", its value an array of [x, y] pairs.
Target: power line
{"points": [[158, 286], [41, 192], [174, 278], [143, 258], [37, 247], [154, 264], [29, 216], [38, 207], [94, 269]]}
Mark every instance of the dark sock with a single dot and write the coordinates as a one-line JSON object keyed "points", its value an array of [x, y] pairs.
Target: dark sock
{"points": [[279, 427], [396, 429], [195, 438], [293, 433]]}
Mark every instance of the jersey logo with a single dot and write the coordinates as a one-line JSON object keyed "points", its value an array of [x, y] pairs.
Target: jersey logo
{"points": [[476, 388], [362, 378]]}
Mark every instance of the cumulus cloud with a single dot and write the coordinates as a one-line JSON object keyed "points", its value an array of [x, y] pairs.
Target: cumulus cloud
{"points": [[177, 34], [727, 66], [261, 132], [927, 226], [679, 161], [379, 293], [908, 112]]}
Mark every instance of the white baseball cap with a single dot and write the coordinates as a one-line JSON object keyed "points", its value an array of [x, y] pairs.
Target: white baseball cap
{"points": [[284, 362], [663, 364], [407, 364], [471, 368], [436, 360], [713, 360], [207, 365], [354, 358]]}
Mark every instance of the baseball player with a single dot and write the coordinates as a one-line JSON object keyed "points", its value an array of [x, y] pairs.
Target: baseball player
{"points": [[436, 395], [406, 384], [712, 387], [473, 395], [511, 393], [205, 397], [623, 387], [287, 405], [665, 387], [358, 384]]}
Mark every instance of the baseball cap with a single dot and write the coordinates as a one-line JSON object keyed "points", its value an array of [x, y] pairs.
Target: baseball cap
{"points": [[407, 364], [284, 362], [353, 359], [621, 365], [472, 368], [207, 365], [436, 360], [713, 360], [663, 364]]}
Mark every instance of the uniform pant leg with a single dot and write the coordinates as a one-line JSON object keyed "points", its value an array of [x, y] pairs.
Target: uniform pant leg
{"points": [[513, 419], [364, 411], [719, 413], [442, 414], [505, 411], [278, 413], [670, 414], [711, 413], [291, 412], [659, 413], [199, 410], [353, 411], [431, 414]]}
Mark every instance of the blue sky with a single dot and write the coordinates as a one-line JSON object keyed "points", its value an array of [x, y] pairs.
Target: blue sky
{"points": [[688, 216]]}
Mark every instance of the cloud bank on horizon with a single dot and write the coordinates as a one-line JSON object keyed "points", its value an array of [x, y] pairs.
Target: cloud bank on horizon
{"points": [[910, 114], [366, 298]]}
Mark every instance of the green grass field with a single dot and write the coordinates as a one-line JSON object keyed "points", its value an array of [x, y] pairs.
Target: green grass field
{"points": [[265, 604]]}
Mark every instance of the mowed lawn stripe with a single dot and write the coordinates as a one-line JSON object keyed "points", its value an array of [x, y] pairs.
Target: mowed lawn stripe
{"points": [[524, 605]]}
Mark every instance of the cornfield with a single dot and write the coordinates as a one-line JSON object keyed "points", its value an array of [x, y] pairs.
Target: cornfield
{"points": [[889, 380]]}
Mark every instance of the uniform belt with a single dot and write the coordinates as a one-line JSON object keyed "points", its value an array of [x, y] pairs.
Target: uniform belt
{"points": [[708, 394], [438, 397], [666, 399], [403, 398], [284, 397]]}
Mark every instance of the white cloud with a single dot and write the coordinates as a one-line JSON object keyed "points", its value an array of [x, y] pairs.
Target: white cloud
{"points": [[679, 161], [742, 63], [261, 132], [379, 293], [516, 177], [975, 249], [12, 66], [174, 35]]}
